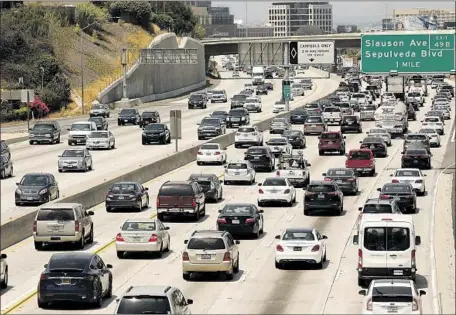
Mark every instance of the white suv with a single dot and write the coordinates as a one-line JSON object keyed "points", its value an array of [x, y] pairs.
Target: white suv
{"points": [[248, 135], [80, 132]]}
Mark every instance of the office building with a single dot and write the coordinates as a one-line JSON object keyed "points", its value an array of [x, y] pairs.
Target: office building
{"points": [[255, 31], [220, 15], [201, 4], [217, 21], [442, 16]]}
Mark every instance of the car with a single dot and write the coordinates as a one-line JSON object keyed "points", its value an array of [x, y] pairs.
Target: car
{"points": [[57, 281], [345, 108], [300, 245], [210, 251], [436, 113], [249, 86], [417, 158], [197, 100], [448, 88], [142, 235], [269, 86], [362, 161], [279, 146], [345, 178], [351, 123], [315, 125], [323, 195], [219, 96], [247, 92], [343, 95], [297, 89], [315, 106], [80, 131], [6, 167], [276, 190], [421, 139], [3, 271], [153, 133], [331, 141], [403, 192], [392, 296], [296, 138], [235, 74], [77, 228], [381, 132], [332, 115], [444, 109], [75, 160], [241, 219], [377, 206], [433, 135], [307, 84], [437, 125], [153, 299], [261, 90], [260, 157], [298, 116], [248, 135], [376, 144], [414, 105], [5, 150], [127, 195], [253, 104], [149, 117], [100, 122], [128, 116], [100, 110], [45, 132], [413, 176], [446, 93], [210, 184], [210, 127], [220, 114], [237, 117], [238, 100], [36, 188], [101, 140], [279, 106], [294, 168], [279, 125], [239, 171], [411, 113], [211, 153], [367, 112]]}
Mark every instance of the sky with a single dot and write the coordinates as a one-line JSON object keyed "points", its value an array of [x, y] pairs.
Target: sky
{"points": [[344, 12]]}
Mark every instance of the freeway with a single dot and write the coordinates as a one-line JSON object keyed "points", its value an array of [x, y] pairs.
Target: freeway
{"points": [[110, 164], [259, 288]]}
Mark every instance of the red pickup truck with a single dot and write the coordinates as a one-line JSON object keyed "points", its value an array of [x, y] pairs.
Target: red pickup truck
{"points": [[362, 161], [331, 141]]}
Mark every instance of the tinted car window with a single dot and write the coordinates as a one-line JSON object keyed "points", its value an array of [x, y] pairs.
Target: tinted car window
{"points": [[377, 208], [75, 262], [209, 147], [34, 180], [123, 187], [144, 305], [127, 111], [96, 119], [55, 215], [416, 152], [275, 182], [246, 129], [368, 108], [332, 110], [138, 226], [408, 173], [396, 189], [210, 121], [154, 127], [238, 209], [237, 113], [314, 120], [237, 166], [381, 239], [359, 155], [277, 141], [321, 188], [98, 135], [287, 133], [176, 190], [196, 97], [301, 236], [80, 127], [206, 243], [396, 294], [349, 118], [149, 114], [239, 97], [256, 151], [330, 136], [43, 127], [372, 140]]}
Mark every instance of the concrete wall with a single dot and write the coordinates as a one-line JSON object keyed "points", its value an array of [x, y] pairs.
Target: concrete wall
{"points": [[153, 82]]}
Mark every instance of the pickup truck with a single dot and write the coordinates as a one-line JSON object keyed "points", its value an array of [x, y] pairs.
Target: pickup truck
{"points": [[295, 168], [362, 161], [332, 114], [415, 97]]}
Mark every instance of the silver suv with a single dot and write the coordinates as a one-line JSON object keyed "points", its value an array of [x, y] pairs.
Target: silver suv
{"points": [[63, 223], [153, 300]]}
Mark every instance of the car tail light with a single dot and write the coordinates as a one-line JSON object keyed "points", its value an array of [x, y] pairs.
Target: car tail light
{"points": [[185, 256], [415, 305], [200, 153], [158, 202], [76, 226], [382, 196], [369, 305], [287, 191], [316, 248], [43, 276], [419, 181], [153, 238], [35, 226], [360, 258], [221, 220], [328, 179], [254, 133], [119, 238], [309, 193], [227, 256], [413, 258], [217, 153], [278, 173], [250, 220], [350, 179], [238, 133], [395, 181], [193, 203], [279, 248], [110, 196], [260, 191]]}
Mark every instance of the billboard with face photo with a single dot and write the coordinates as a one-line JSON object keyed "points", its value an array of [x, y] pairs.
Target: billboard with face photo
{"points": [[416, 23]]}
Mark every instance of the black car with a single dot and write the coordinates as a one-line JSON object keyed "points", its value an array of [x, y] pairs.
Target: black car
{"points": [[351, 123], [127, 195], [448, 88], [100, 121], [416, 158], [210, 185], [220, 114], [261, 90], [376, 144], [238, 100], [404, 194], [45, 132], [269, 86], [156, 133], [5, 149], [237, 117], [197, 101], [6, 167], [268, 74], [36, 188], [411, 113], [241, 218], [296, 138], [75, 277], [298, 116], [415, 104], [210, 127], [149, 117], [345, 178], [323, 195], [260, 158], [128, 116]]}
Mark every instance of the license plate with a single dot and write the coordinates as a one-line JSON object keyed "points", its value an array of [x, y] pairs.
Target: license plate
{"points": [[237, 173], [125, 120], [208, 154], [291, 173], [297, 249], [274, 191], [321, 196], [339, 181], [121, 198], [372, 146], [70, 166], [66, 281], [398, 272], [256, 157], [174, 210], [313, 126], [415, 161], [135, 239], [235, 221], [206, 257], [29, 198], [392, 309]]}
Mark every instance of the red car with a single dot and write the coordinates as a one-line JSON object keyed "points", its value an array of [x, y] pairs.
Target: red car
{"points": [[331, 141], [362, 161]]}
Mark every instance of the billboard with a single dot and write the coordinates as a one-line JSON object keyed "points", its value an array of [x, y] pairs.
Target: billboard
{"points": [[416, 23]]}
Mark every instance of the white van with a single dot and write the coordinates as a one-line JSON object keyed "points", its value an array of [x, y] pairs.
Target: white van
{"points": [[386, 248], [80, 131]]}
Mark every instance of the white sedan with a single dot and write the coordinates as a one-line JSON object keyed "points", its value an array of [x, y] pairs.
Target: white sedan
{"points": [[211, 153], [392, 296], [241, 171], [276, 190], [253, 104], [437, 125], [279, 145], [300, 245], [383, 133], [433, 135], [101, 140], [413, 176]]}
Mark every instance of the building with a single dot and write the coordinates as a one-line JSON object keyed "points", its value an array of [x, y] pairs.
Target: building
{"points": [[217, 21], [442, 16], [220, 15], [347, 29], [255, 31], [202, 15], [201, 4], [388, 25], [288, 17]]}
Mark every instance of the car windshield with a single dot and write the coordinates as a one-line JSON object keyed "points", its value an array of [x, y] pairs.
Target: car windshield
{"points": [[237, 166], [154, 127], [416, 137], [61, 263], [389, 238], [396, 189], [80, 127], [209, 146], [275, 182], [196, 97], [298, 236], [237, 113], [217, 92], [392, 294], [127, 112], [239, 97], [239, 209], [316, 120], [332, 109], [320, 188], [96, 119], [367, 108], [408, 173], [251, 100], [346, 172], [377, 208], [299, 112], [34, 180], [73, 153], [428, 131], [330, 136], [207, 243], [219, 113], [96, 134], [414, 94], [349, 118], [343, 105], [138, 226], [149, 114], [246, 129], [120, 188], [255, 151], [277, 141], [416, 152], [210, 122], [144, 304], [372, 139], [55, 215], [98, 107], [360, 155], [47, 127]]}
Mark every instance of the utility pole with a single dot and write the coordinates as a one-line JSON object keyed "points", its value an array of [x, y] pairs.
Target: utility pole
{"points": [[287, 72], [124, 62], [246, 28], [42, 78], [82, 74]]}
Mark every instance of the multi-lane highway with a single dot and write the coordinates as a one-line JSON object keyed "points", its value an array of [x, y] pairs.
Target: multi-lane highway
{"points": [[110, 164], [259, 288]]}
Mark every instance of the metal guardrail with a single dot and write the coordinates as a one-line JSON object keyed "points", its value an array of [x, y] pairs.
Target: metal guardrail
{"points": [[163, 56]]}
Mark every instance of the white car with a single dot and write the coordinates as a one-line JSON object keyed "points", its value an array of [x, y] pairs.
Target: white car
{"points": [[248, 135], [433, 135], [443, 107], [368, 96], [392, 296], [381, 132], [101, 140], [218, 96], [433, 122], [279, 145], [253, 104], [241, 171], [142, 235], [343, 96], [413, 176], [445, 112], [276, 190], [388, 97], [211, 153], [300, 245], [297, 89], [3, 271]]}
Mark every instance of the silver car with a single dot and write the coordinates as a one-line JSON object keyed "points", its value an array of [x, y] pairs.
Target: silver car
{"points": [[279, 125], [101, 140], [100, 110], [383, 133], [143, 235], [75, 160], [367, 112]]}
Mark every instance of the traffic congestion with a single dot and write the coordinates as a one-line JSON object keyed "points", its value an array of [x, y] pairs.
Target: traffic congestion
{"points": [[333, 201]]}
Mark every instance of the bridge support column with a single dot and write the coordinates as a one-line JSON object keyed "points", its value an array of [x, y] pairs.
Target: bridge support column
{"points": [[207, 62]]}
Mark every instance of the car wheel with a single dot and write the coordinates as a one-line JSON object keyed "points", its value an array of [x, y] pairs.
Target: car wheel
{"points": [[3, 174], [186, 276], [108, 209], [4, 283], [109, 293], [319, 265], [38, 245], [81, 243], [43, 305], [257, 234], [90, 240], [168, 245], [362, 283], [99, 301], [278, 265], [12, 172], [321, 152], [120, 254], [161, 217], [160, 251], [236, 267], [197, 215], [230, 274]]}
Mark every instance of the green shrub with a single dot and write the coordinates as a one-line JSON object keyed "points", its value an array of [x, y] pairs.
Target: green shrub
{"points": [[56, 93], [87, 14], [21, 113], [164, 21], [139, 12]]}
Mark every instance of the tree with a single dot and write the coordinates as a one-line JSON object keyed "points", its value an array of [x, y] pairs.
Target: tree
{"points": [[163, 21], [199, 32], [56, 93], [139, 12], [309, 30], [183, 18]]}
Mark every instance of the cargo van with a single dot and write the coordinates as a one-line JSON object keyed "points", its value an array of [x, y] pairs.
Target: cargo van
{"points": [[386, 248]]}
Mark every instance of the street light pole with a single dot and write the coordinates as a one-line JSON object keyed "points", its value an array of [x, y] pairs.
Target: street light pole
{"points": [[42, 78]]}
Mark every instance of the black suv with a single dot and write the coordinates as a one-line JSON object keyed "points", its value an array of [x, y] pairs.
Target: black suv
{"points": [[237, 117], [6, 152], [100, 122], [351, 123], [45, 132], [149, 117], [403, 192], [156, 133], [197, 101], [238, 100], [260, 158], [128, 116], [296, 138], [210, 185], [323, 195], [261, 90], [298, 116], [210, 127]]}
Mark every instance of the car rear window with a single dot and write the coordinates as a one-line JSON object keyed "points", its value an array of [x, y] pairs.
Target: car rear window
{"points": [[360, 155], [321, 188], [171, 190], [144, 305], [408, 173], [208, 243], [378, 208], [301, 236], [274, 182], [55, 215], [237, 166], [246, 129], [330, 136], [391, 238], [210, 147], [138, 226], [116, 188], [332, 110], [396, 189], [127, 111], [392, 294], [416, 152], [238, 209], [62, 263], [316, 120], [256, 151]]}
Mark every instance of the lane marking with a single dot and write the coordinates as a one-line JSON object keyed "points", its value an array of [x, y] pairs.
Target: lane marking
{"points": [[452, 137], [270, 243], [291, 218]]}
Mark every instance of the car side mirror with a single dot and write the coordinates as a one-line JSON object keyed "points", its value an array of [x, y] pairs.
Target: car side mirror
{"points": [[362, 292], [198, 123], [402, 152], [189, 301], [417, 240], [186, 241], [45, 266], [346, 154], [3, 256], [59, 156], [424, 174], [324, 174], [220, 211], [422, 292], [261, 211], [355, 239], [167, 228], [324, 237], [260, 184], [221, 181], [237, 242], [90, 213], [360, 142], [360, 209], [109, 266], [30, 129], [225, 166], [277, 237], [17, 184], [379, 189], [345, 137], [117, 300], [68, 129], [318, 137], [308, 164]]}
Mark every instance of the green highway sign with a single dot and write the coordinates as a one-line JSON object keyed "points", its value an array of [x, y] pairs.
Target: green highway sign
{"points": [[286, 90], [407, 53]]}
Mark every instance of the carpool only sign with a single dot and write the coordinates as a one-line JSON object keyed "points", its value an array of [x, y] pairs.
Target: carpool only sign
{"points": [[407, 53]]}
